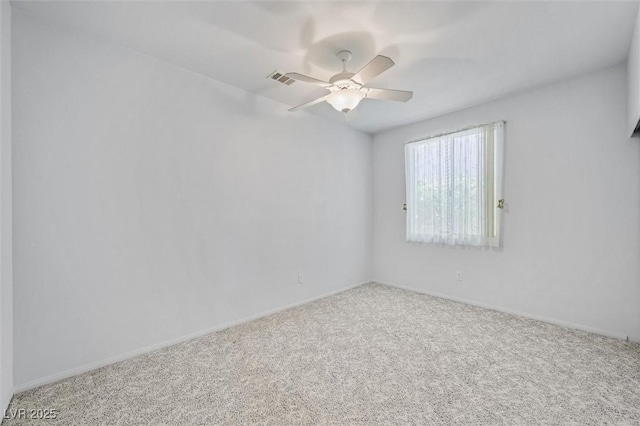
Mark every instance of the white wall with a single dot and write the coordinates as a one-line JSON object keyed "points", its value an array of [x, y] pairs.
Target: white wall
{"points": [[6, 282], [633, 78], [152, 202], [571, 234]]}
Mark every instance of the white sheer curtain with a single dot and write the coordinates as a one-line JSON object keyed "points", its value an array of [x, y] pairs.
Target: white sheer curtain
{"points": [[454, 182]]}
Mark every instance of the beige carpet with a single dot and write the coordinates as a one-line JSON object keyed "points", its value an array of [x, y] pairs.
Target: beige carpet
{"points": [[372, 355]]}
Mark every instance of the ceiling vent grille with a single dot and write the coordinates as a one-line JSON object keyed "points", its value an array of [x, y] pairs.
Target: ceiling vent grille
{"points": [[280, 78]]}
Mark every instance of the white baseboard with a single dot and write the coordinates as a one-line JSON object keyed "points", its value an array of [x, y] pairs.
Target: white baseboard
{"points": [[634, 339], [6, 401], [514, 312], [99, 364]]}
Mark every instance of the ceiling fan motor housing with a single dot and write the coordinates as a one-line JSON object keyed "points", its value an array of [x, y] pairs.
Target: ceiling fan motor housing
{"points": [[343, 81]]}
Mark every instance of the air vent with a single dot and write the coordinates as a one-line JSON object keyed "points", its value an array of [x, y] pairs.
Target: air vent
{"points": [[280, 78]]}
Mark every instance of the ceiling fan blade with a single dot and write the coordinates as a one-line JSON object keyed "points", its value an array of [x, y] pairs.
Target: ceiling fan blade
{"points": [[308, 104], [389, 95], [307, 79], [374, 68]]}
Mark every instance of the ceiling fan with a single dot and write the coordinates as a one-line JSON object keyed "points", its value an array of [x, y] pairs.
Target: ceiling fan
{"points": [[346, 89]]}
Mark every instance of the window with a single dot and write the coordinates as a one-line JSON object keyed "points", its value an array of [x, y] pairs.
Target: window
{"points": [[454, 182]]}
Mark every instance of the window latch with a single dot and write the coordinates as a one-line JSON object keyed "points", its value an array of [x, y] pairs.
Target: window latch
{"points": [[501, 203]]}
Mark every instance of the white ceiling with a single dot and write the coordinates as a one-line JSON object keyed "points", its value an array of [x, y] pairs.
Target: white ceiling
{"points": [[451, 54]]}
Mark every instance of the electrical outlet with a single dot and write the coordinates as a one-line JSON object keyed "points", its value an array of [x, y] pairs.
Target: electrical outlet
{"points": [[300, 278], [458, 276]]}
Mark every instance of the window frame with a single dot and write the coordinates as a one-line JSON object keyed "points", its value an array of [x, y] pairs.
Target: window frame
{"points": [[489, 225]]}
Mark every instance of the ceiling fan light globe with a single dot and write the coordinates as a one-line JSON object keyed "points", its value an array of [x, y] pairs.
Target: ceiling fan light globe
{"points": [[345, 100]]}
